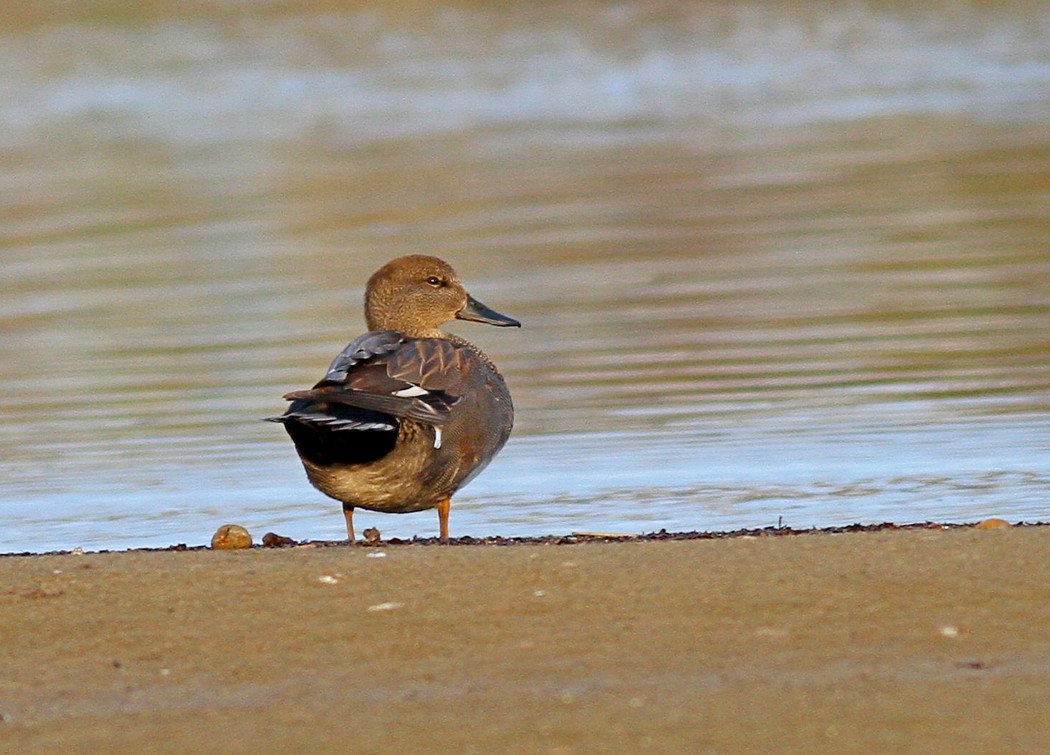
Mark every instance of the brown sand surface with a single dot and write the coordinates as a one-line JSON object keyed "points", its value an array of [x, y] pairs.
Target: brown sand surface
{"points": [[896, 641]]}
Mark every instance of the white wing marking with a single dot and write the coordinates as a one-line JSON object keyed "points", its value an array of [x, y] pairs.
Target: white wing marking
{"points": [[411, 392]]}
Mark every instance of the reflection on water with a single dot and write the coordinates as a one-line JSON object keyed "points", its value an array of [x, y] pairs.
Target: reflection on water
{"points": [[771, 261]]}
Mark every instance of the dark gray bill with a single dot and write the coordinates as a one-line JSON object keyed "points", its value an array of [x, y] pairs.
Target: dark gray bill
{"points": [[478, 312]]}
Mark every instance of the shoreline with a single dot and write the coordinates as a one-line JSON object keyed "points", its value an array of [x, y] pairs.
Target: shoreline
{"points": [[920, 638], [271, 541]]}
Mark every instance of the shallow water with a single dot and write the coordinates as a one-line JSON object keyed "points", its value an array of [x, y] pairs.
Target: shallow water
{"points": [[775, 263]]}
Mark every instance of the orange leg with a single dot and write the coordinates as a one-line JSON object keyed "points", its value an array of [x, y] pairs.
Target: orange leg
{"points": [[348, 514], [443, 507]]}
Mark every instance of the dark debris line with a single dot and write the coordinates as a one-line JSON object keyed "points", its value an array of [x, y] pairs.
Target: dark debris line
{"points": [[271, 540]]}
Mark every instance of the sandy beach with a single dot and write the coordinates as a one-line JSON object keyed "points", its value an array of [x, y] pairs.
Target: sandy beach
{"points": [[916, 640]]}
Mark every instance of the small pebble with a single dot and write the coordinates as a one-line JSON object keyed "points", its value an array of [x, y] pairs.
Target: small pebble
{"points": [[376, 554], [950, 631], [231, 537], [385, 606], [273, 540], [993, 524], [327, 579]]}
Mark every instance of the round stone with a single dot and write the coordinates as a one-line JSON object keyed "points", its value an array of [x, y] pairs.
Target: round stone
{"points": [[231, 537]]}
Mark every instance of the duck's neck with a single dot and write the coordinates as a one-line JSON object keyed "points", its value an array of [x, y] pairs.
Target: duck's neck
{"points": [[415, 332]]}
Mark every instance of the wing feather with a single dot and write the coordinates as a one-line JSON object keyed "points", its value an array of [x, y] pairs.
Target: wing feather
{"points": [[384, 372]]}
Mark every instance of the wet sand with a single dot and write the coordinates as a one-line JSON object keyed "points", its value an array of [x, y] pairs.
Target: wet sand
{"points": [[915, 640]]}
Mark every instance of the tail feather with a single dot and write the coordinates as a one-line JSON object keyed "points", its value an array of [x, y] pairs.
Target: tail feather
{"points": [[318, 419]]}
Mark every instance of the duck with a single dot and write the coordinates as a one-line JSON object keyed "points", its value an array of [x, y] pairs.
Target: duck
{"points": [[408, 413]]}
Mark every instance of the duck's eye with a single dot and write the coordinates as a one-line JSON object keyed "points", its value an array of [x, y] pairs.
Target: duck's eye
{"points": [[434, 281]]}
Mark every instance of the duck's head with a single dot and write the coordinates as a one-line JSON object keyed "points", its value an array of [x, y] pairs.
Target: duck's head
{"points": [[417, 294]]}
